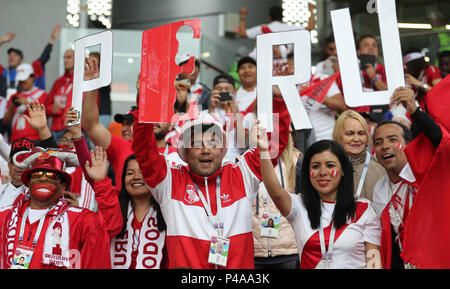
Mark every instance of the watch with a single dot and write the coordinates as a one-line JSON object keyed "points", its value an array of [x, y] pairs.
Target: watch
{"points": [[425, 86]]}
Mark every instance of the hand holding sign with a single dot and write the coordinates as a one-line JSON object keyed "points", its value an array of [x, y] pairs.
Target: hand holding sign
{"points": [[286, 83], [91, 78]]}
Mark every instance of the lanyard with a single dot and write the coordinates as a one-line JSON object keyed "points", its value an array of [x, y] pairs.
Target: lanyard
{"points": [[327, 256], [363, 176], [38, 232], [217, 220]]}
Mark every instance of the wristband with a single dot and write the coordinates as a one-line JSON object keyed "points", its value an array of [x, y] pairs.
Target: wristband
{"points": [[374, 80]]}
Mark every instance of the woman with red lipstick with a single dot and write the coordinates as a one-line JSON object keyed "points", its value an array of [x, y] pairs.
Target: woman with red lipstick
{"points": [[332, 230], [352, 132]]}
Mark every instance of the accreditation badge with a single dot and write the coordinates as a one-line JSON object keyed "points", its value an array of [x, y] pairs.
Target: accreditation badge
{"points": [[218, 251], [22, 257], [270, 224]]}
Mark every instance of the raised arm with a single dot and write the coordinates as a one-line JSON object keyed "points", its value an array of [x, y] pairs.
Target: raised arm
{"points": [[280, 196], [38, 119], [106, 194], [99, 134]]}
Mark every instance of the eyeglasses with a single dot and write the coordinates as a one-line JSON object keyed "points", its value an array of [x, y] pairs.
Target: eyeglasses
{"points": [[48, 174]]}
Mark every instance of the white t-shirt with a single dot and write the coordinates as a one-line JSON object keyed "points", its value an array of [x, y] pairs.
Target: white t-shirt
{"points": [[349, 248], [325, 67], [245, 98], [9, 193], [384, 191], [323, 118]]}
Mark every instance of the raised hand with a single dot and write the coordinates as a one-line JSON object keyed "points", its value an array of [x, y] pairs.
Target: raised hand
{"points": [[37, 118], [98, 169], [7, 37], [72, 116], [405, 97], [91, 69]]}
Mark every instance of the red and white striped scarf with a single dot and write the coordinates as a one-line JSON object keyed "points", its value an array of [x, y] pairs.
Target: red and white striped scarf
{"points": [[9, 232], [150, 244]]}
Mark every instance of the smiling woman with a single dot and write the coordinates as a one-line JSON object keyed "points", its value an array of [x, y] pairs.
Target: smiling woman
{"points": [[324, 213], [352, 132]]}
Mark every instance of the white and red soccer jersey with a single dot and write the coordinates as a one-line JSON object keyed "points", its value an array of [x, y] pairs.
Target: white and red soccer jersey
{"points": [[349, 241], [19, 126]]}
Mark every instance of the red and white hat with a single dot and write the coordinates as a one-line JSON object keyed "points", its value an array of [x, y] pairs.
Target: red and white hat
{"points": [[204, 119], [55, 160]]}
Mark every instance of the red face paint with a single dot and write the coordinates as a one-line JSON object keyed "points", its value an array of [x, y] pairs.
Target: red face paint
{"points": [[334, 173], [42, 191], [400, 147], [311, 174]]}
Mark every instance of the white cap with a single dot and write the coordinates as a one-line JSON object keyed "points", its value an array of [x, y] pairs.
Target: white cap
{"points": [[23, 71], [203, 119]]}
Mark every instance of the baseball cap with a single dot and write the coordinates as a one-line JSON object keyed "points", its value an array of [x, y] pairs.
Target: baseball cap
{"points": [[245, 59], [18, 51], [24, 71], [221, 78], [126, 116], [206, 121], [21, 144]]}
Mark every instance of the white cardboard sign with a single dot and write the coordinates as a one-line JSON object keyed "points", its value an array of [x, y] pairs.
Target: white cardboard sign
{"points": [[287, 84], [348, 63], [105, 40]]}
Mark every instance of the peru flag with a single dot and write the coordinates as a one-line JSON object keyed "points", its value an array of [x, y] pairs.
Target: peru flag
{"points": [[427, 229]]}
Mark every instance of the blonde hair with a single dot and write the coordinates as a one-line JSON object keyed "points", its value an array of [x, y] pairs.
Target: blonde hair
{"points": [[339, 125], [289, 157]]}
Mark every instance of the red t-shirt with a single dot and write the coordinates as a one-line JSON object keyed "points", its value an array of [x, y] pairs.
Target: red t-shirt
{"points": [[61, 93], [118, 151]]}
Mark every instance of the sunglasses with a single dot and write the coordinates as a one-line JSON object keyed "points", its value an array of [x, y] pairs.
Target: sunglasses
{"points": [[48, 174]]}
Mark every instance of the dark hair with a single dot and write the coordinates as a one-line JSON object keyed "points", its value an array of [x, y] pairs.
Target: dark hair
{"points": [[445, 53], [223, 78], [345, 201], [364, 37], [124, 199], [196, 63], [407, 135], [245, 59], [276, 13], [415, 66]]}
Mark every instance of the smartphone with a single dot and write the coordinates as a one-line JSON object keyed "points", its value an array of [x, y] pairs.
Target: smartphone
{"points": [[225, 96], [366, 59]]}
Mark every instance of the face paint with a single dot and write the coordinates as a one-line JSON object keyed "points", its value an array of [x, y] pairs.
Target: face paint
{"points": [[311, 174], [42, 191], [334, 173], [400, 147]]}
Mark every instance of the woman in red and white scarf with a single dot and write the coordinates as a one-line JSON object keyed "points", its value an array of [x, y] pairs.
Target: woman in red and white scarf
{"points": [[132, 217]]}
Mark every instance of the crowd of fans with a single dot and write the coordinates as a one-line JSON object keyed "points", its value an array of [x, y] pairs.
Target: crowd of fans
{"points": [[217, 191]]}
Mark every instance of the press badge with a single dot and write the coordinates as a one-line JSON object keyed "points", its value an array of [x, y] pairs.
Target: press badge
{"points": [[270, 223], [218, 251], [22, 257]]}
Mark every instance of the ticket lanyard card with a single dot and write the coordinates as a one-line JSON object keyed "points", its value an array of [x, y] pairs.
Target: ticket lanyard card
{"points": [[218, 251], [270, 224], [22, 258]]}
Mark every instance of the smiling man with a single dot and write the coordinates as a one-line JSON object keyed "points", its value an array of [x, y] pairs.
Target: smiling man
{"points": [[395, 194], [205, 203], [42, 226]]}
